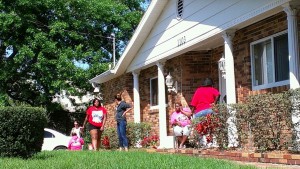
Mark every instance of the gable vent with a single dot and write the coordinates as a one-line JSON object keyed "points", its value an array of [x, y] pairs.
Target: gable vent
{"points": [[179, 9]]}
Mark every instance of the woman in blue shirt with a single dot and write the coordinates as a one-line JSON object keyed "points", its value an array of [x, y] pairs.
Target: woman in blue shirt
{"points": [[121, 109]]}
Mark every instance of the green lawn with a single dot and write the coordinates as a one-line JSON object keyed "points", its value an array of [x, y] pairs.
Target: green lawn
{"points": [[114, 160]]}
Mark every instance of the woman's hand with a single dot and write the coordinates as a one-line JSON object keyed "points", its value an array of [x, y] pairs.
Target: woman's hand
{"points": [[102, 128]]}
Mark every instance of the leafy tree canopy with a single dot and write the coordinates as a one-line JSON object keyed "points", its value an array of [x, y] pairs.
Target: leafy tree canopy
{"points": [[42, 42]]}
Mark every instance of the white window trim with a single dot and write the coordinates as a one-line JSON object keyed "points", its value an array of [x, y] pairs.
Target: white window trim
{"points": [[270, 85], [156, 106]]}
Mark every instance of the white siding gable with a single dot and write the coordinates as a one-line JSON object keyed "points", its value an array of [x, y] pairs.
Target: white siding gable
{"points": [[202, 19]]}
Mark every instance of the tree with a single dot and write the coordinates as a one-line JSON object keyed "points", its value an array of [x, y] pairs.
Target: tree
{"points": [[43, 42]]}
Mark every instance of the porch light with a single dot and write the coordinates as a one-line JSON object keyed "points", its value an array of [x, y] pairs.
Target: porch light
{"points": [[96, 87], [221, 64], [96, 90], [97, 93], [169, 84]]}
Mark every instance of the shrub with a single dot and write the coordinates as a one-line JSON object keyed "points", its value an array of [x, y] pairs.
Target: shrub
{"points": [[266, 118], [109, 139], [112, 136], [136, 132], [221, 129], [207, 126], [150, 141], [87, 138], [21, 131], [212, 126], [263, 121]]}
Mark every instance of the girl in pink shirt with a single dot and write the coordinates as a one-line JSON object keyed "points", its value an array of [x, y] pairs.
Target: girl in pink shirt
{"points": [[76, 142]]}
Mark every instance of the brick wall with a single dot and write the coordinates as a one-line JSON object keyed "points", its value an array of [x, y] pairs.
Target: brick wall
{"points": [[147, 115], [242, 59], [189, 70], [122, 85]]}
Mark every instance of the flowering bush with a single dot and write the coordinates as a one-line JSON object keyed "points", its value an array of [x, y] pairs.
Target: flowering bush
{"points": [[150, 141], [206, 126], [105, 142]]}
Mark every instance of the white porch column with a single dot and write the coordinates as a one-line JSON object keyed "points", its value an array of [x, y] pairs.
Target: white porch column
{"points": [[293, 46], [230, 87], [165, 141], [294, 69], [136, 97]]}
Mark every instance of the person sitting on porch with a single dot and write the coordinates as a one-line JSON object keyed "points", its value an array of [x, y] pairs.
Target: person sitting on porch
{"points": [[180, 120], [204, 99]]}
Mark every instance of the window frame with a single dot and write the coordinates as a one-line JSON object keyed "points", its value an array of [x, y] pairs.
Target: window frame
{"points": [[153, 107], [268, 85], [151, 91]]}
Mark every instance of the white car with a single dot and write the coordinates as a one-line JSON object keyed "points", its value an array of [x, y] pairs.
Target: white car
{"points": [[54, 140]]}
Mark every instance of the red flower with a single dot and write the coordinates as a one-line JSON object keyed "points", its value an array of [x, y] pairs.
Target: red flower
{"points": [[209, 138], [105, 141], [207, 126], [150, 141]]}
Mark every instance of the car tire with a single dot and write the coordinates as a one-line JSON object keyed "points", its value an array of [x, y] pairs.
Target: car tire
{"points": [[60, 148]]}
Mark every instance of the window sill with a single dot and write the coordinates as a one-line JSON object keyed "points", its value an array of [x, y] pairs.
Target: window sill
{"points": [[156, 107], [266, 86]]}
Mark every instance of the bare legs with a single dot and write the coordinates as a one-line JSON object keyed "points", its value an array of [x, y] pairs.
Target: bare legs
{"points": [[181, 134], [181, 140], [96, 138]]}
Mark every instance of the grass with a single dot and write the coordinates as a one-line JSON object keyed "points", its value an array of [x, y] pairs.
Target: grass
{"points": [[115, 160]]}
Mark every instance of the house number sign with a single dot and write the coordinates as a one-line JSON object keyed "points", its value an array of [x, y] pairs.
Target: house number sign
{"points": [[181, 41]]}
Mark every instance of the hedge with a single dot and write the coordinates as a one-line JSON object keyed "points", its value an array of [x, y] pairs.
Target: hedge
{"points": [[21, 131]]}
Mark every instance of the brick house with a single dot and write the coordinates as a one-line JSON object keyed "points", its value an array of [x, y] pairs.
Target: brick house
{"points": [[258, 40]]}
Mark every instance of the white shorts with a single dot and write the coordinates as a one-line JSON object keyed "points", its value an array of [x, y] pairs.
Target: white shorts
{"points": [[181, 131]]}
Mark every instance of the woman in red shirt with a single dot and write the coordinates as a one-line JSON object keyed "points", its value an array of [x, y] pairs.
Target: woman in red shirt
{"points": [[96, 116], [204, 98]]}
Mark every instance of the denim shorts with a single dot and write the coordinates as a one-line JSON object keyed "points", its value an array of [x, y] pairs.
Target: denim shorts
{"points": [[203, 113]]}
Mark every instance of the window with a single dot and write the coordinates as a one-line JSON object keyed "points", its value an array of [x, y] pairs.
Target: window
{"points": [[48, 135], [179, 9], [154, 92], [270, 61]]}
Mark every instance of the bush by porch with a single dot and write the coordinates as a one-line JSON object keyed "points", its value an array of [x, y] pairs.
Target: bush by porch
{"points": [[264, 122]]}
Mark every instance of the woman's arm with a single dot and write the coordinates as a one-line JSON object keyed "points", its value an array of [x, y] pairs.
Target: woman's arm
{"points": [[129, 108], [71, 131], [192, 109], [103, 122], [85, 121], [187, 113], [216, 99]]}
